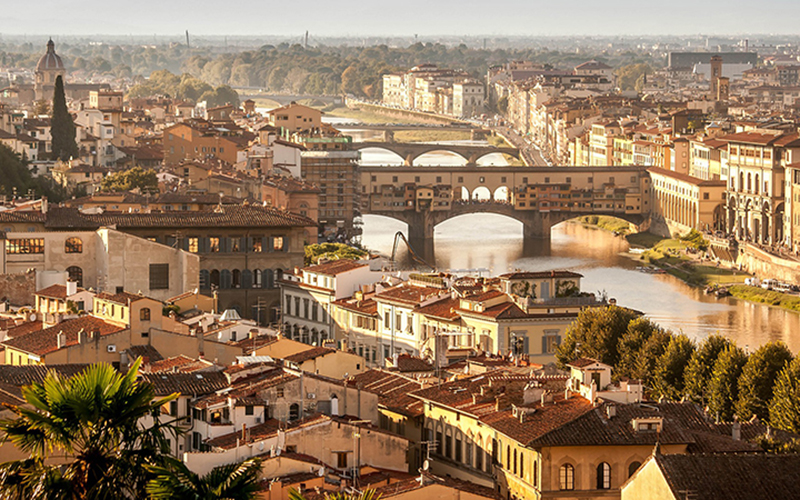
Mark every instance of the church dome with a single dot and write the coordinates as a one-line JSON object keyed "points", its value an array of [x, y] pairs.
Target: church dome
{"points": [[50, 60]]}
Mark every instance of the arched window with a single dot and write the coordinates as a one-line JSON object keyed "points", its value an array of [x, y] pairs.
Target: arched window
{"points": [[566, 477], [73, 245], [521, 465], [603, 476], [257, 278], [535, 473], [236, 279], [214, 278], [144, 314], [304, 209], [75, 274], [633, 467], [294, 411]]}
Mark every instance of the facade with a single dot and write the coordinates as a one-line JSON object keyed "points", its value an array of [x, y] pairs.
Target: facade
{"points": [[335, 173], [688, 201], [200, 139], [295, 117]]}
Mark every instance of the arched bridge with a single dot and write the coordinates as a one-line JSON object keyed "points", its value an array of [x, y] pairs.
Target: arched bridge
{"points": [[410, 151], [539, 197]]}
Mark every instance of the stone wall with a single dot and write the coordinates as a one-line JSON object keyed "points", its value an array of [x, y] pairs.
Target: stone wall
{"points": [[764, 265], [18, 288]]}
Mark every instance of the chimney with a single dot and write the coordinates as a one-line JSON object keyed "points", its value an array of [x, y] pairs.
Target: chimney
{"points": [[60, 340], [244, 431], [736, 429], [81, 335], [611, 411], [72, 288]]}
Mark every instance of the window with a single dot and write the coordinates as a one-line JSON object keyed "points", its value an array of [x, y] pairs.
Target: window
{"points": [[159, 276], [173, 408], [277, 243], [566, 477], [213, 244], [25, 246], [294, 411], [603, 476], [341, 459], [248, 410], [236, 244], [193, 244], [144, 314], [633, 467], [75, 274], [73, 245], [279, 392], [256, 248]]}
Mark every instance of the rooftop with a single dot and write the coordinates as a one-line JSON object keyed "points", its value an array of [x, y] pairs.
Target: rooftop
{"points": [[45, 341]]}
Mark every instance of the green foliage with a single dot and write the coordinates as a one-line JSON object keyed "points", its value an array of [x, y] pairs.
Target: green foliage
{"points": [[567, 289], [639, 348], [668, 380], [62, 127], [631, 76], [368, 494], [135, 178], [502, 105], [597, 330], [694, 239], [95, 418], [776, 446], [185, 87], [17, 178], [524, 289], [174, 481], [784, 409], [771, 297], [332, 251], [758, 378], [723, 387], [698, 371]]}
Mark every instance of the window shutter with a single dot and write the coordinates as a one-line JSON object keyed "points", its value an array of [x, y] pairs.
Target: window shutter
{"points": [[544, 344], [224, 244], [265, 244], [248, 244], [525, 345], [204, 279], [270, 243], [204, 244], [170, 241], [268, 279], [225, 279], [247, 278], [185, 243]]}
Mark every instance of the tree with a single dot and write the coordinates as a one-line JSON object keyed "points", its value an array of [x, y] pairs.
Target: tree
{"points": [[17, 179], [668, 381], [698, 371], [784, 409], [632, 346], [758, 379], [595, 333], [723, 388], [332, 251], [135, 178], [368, 494], [62, 128], [174, 481], [94, 418]]}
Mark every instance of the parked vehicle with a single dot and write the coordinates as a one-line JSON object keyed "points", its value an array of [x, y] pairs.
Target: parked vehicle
{"points": [[769, 284]]}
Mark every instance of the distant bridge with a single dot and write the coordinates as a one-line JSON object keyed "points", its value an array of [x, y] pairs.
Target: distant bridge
{"points": [[284, 99], [397, 127], [538, 197], [410, 151]]}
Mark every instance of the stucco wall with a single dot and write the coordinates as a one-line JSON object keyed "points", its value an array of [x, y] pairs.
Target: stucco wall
{"points": [[18, 288]]}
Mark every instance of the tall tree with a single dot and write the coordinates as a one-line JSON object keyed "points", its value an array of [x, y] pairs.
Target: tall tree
{"points": [[698, 372], [174, 481], [134, 178], [784, 409], [62, 127], [595, 333], [758, 379], [95, 419], [668, 381], [638, 334], [723, 388]]}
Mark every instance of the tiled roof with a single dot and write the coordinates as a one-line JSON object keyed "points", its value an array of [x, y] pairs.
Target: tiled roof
{"points": [[685, 177], [408, 485], [124, 298], [308, 354], [731, 476], [19, 376], [173, 363], [582, 362], [408, 294], [228, 216], [148, 353], [45, 341], [444, 309], [23, 329], [367, 306], [392, 390], [263, 431], [54, 292], [195, 384], [524, 275], [335, 267], [409, 363]]}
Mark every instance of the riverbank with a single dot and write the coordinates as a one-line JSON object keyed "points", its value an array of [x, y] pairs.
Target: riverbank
{"points": [[762, 296]]}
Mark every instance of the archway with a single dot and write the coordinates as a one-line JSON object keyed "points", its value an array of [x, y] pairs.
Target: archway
{"points": [[501, 194], [481, 193], [440, 157], [378, 233], [380, 156]]}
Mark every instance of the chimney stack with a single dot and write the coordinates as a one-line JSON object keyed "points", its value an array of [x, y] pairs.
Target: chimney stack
{"points": [[244, 431], [736, 429], [72, 288], [81, 335], [60, 340]]}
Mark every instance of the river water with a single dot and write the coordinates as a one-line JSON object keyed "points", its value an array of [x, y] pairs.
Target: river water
{"points": [[494, 245]]}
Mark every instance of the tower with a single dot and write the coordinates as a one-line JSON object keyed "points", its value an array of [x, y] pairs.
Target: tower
{"points": [[48, 69], [716, 73]]}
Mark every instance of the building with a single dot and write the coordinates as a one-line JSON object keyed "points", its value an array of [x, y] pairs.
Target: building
{"points": [[335, 173], [707, 477], [294, 118], [688, 202], [468, 98], [200, 139]]}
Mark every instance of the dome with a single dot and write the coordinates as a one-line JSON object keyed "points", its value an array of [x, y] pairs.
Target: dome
{"points": [[50, 60]]}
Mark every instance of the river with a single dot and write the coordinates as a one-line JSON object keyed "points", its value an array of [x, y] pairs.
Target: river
{"points": [[494, 243]]}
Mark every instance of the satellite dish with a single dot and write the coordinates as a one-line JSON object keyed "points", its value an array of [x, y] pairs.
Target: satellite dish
{"points": [[426, 465], [321, 471], [33, 317]]}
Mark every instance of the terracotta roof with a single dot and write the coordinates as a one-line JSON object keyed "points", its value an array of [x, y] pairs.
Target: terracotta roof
{"points": [[147, 352], [22, 375], [582, 362], [335, 267], [23, 329], [170, 364], [228, 216], [306, 355], [404, 486], [732, 477], [392, 390], [685, 177], [366, 306], [443, 309], [408, 294], [123, 298], [45, 341], [266, 430], [409, 363], [195, 384]]}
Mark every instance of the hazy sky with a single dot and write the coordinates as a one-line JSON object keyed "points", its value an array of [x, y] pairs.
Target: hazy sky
{"points": [[376, 17]]}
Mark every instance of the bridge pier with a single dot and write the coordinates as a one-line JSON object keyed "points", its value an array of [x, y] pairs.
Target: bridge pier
{"points": [[388, 136], [537, 225]]}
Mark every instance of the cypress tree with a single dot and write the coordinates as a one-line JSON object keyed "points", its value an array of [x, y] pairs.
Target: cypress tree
{"points": [[62, 127], [758, 378], [784, 409]]}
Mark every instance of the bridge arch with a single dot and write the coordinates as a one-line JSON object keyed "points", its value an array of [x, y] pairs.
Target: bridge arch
{"points": [[394, 159], [501, 194], [481, 193], [458, 159]]}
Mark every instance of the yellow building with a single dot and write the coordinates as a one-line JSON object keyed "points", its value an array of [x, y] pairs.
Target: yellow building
{"points": [[295, 117], [688, 202]]}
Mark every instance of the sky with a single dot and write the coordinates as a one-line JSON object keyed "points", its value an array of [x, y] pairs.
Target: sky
{"points": [[399, 18]]}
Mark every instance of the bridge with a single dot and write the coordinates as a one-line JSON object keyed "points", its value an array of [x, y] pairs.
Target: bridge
{"points": [[410, 151], [397, 127], [284, 99], [538, 197]]}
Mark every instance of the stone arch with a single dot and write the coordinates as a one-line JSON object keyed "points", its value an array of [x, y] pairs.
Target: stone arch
{"points": [[501, 194], [415, 158], [75, 273], [481, 193], [214, 278]]}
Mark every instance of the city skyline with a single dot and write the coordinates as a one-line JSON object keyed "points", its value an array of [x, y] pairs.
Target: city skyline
{"points": [[469, 18]]}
